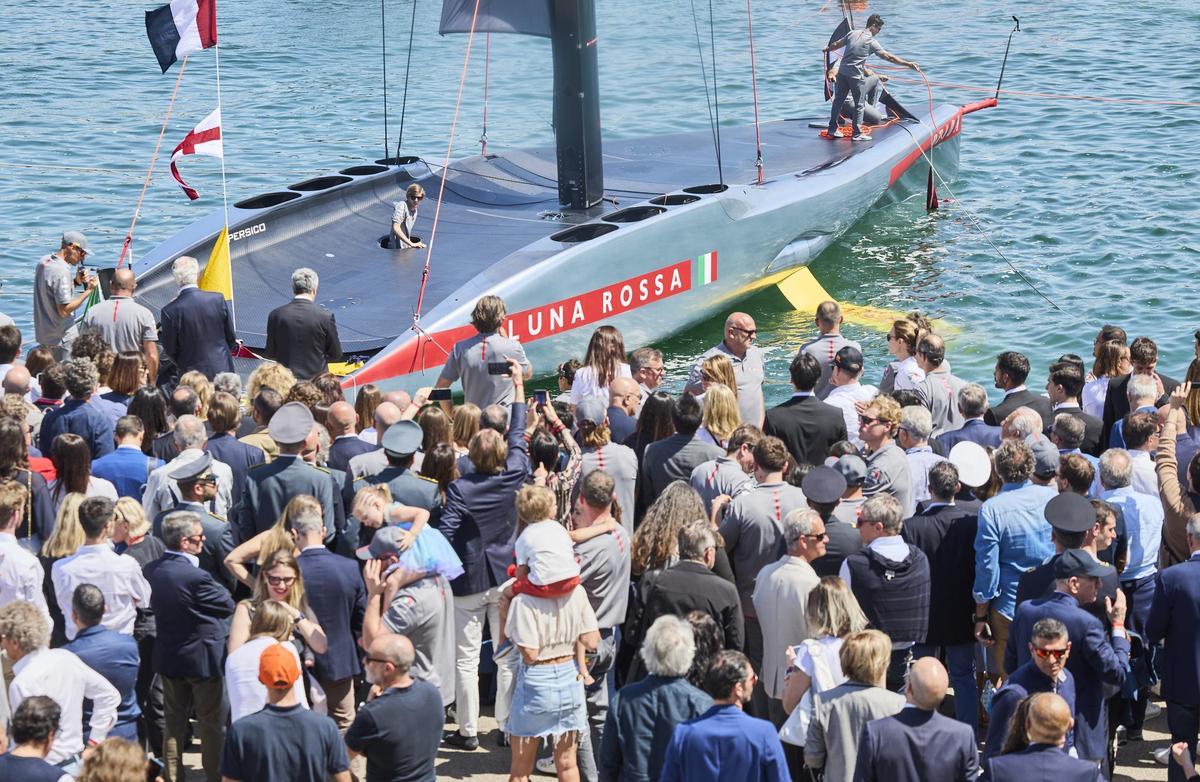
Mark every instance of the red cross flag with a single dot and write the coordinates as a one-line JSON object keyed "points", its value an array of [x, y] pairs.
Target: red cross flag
{"points": [[204, 139]]}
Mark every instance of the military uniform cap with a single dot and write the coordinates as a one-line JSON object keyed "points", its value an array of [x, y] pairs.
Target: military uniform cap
{"points": [[1070, 513], [403, 438], [823, 485], [291, 424], [192, 469]]}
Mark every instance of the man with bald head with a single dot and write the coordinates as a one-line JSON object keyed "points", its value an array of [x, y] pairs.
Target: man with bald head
{"points": [[125, 324], [918, 743], [375, 461], [342, 421], [1044, 760], [624, 396], [400, 729], [17, 381], [738, 347]]}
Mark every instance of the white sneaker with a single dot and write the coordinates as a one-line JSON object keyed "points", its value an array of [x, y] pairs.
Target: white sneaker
{"points": [[546, 766], [862, 137], [1153, 710]]}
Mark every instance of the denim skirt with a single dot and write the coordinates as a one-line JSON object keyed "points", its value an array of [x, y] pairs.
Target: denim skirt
{"points": [[547, 701]]}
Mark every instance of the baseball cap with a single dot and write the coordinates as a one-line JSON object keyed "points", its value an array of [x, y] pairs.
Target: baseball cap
{"points": [[849, 359], [76, 238], [383, 544], [277, 667], [852, 468], [1079, 563], [1045, 455], [1070, 513], [592, 409], [974, 466], [823, 485]]}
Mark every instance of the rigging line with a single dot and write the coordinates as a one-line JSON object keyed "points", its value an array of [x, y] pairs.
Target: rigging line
{"points": [[225, 187], [462, 81], [712, 42], [758, 162], [137, 210], [383, 49], [487, 58], [704, 75], [412, 25]]}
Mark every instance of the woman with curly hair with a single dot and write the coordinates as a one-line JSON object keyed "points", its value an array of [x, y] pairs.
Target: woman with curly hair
{"points": [[271, 375], [115, 760]]}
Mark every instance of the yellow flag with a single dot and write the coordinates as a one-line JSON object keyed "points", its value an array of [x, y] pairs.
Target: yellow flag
{"points": [[218, 274]]}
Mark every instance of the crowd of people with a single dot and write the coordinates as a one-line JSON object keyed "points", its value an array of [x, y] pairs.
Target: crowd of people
{"points": [[647, 585]]}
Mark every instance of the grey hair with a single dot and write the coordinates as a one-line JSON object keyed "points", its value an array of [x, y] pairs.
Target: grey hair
{"points": [[972, 401], [643, 356], [917, 421], [883, 509], [695, 539], [304, 280], [21, 623], [1193, 526], [178, 525], [669, 647], [1048, 629], [185, 270], [81, 377], [189, 432], [306, 522], [1141, 387], [1116, 468], [797, 524], [1070, 430], [229, 382], [1024, 421]]}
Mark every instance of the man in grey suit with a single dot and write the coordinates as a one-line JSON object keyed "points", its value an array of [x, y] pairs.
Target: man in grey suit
{"points": [[673, 458], [918, 743]]}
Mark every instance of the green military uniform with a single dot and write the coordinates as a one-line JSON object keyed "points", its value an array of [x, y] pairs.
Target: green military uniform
{"points": [[271, 486]]}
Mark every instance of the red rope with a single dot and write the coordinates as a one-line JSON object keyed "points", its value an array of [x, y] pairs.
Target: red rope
{"points": [[137, 210], [462, 80], [758, 163]]}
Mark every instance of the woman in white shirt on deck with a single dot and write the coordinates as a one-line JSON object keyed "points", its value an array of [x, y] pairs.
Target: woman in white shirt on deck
{"points": [[902, 343], [605, 361]]}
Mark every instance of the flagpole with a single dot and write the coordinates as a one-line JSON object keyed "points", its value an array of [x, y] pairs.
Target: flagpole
{"points": [[137, 210], [224, 187]]}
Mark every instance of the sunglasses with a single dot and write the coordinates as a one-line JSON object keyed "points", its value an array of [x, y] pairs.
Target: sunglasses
{"points": [[822, 536], [868, 421], [751, 333], [201, 537], [281, 580], [377, 660], [416, 198], [1056, 654]]}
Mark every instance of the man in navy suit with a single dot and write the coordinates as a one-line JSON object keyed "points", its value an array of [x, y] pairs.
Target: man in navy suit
{"points": [[1143, 354], [341, 421], [192, 612], [973, 404], [1043, 760], [111, 654], [224, 416], [337, 596], [1098, 664], [1011, 371], [1063, 388], [1175, 621], [127, 468], [918, 743], [197, 327], [302, 335]]}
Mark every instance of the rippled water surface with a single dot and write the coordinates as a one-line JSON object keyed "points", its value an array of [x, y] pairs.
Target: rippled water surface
{"points": [[1097, 203]]}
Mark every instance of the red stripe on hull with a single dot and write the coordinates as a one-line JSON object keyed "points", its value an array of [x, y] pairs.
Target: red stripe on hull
{"points": [[947, 130]]}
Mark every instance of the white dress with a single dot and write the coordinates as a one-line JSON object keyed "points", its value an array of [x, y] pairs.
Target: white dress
{"points": [[585, 384], [1094, 393]]}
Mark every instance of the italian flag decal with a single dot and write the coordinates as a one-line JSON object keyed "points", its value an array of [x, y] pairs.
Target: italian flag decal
{"points": [[706, 268]]}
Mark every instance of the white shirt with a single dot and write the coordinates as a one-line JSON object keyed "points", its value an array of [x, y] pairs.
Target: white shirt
{"points": [[586, 385], [64, 679], [1144, 478], [843, 398], [119, 578], [546, 549], [1093, 396], [246, 693], [21, 576], [96, 487], [162, 491], [908, 374]]}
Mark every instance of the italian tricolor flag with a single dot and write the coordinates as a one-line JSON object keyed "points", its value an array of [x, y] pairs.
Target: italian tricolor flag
{"points": [[706, 268]]}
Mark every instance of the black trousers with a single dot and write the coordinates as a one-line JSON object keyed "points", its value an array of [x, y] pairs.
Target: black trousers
{"points": [[1183, 720]]}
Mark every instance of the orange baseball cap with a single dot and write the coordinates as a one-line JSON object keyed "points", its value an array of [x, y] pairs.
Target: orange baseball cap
{"points": [[277, 667]]}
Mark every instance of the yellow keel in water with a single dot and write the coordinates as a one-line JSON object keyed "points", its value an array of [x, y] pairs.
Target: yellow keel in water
{"points": [[804, 293]]}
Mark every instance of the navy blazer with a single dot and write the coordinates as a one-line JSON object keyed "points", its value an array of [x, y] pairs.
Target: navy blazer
{"points": [[197, 332], [240, 458], [621, 424], [919, 745], [974, 430], [1040, 763], [303, 336], [1024, 398], [343, 449], [336, 594], [127, 469], [1116, 402], [1175, 619], [1021, 683], [192, 612], [1098, 665], [83, 419], [114, 656], [479, 518]]}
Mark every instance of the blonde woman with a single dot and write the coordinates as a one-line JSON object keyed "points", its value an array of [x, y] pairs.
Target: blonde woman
{"points": [[279, 582], [278, 538], [131, 532], [404, 216], [464, 425], [64, 541], [272, 624], [902, 341], [198, 382], [832, 614], [718, 369], [721, 415], [115, 760], [271, 375]]}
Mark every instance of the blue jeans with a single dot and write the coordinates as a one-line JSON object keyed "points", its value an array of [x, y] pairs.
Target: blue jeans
{"points": [[960, 663]]}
